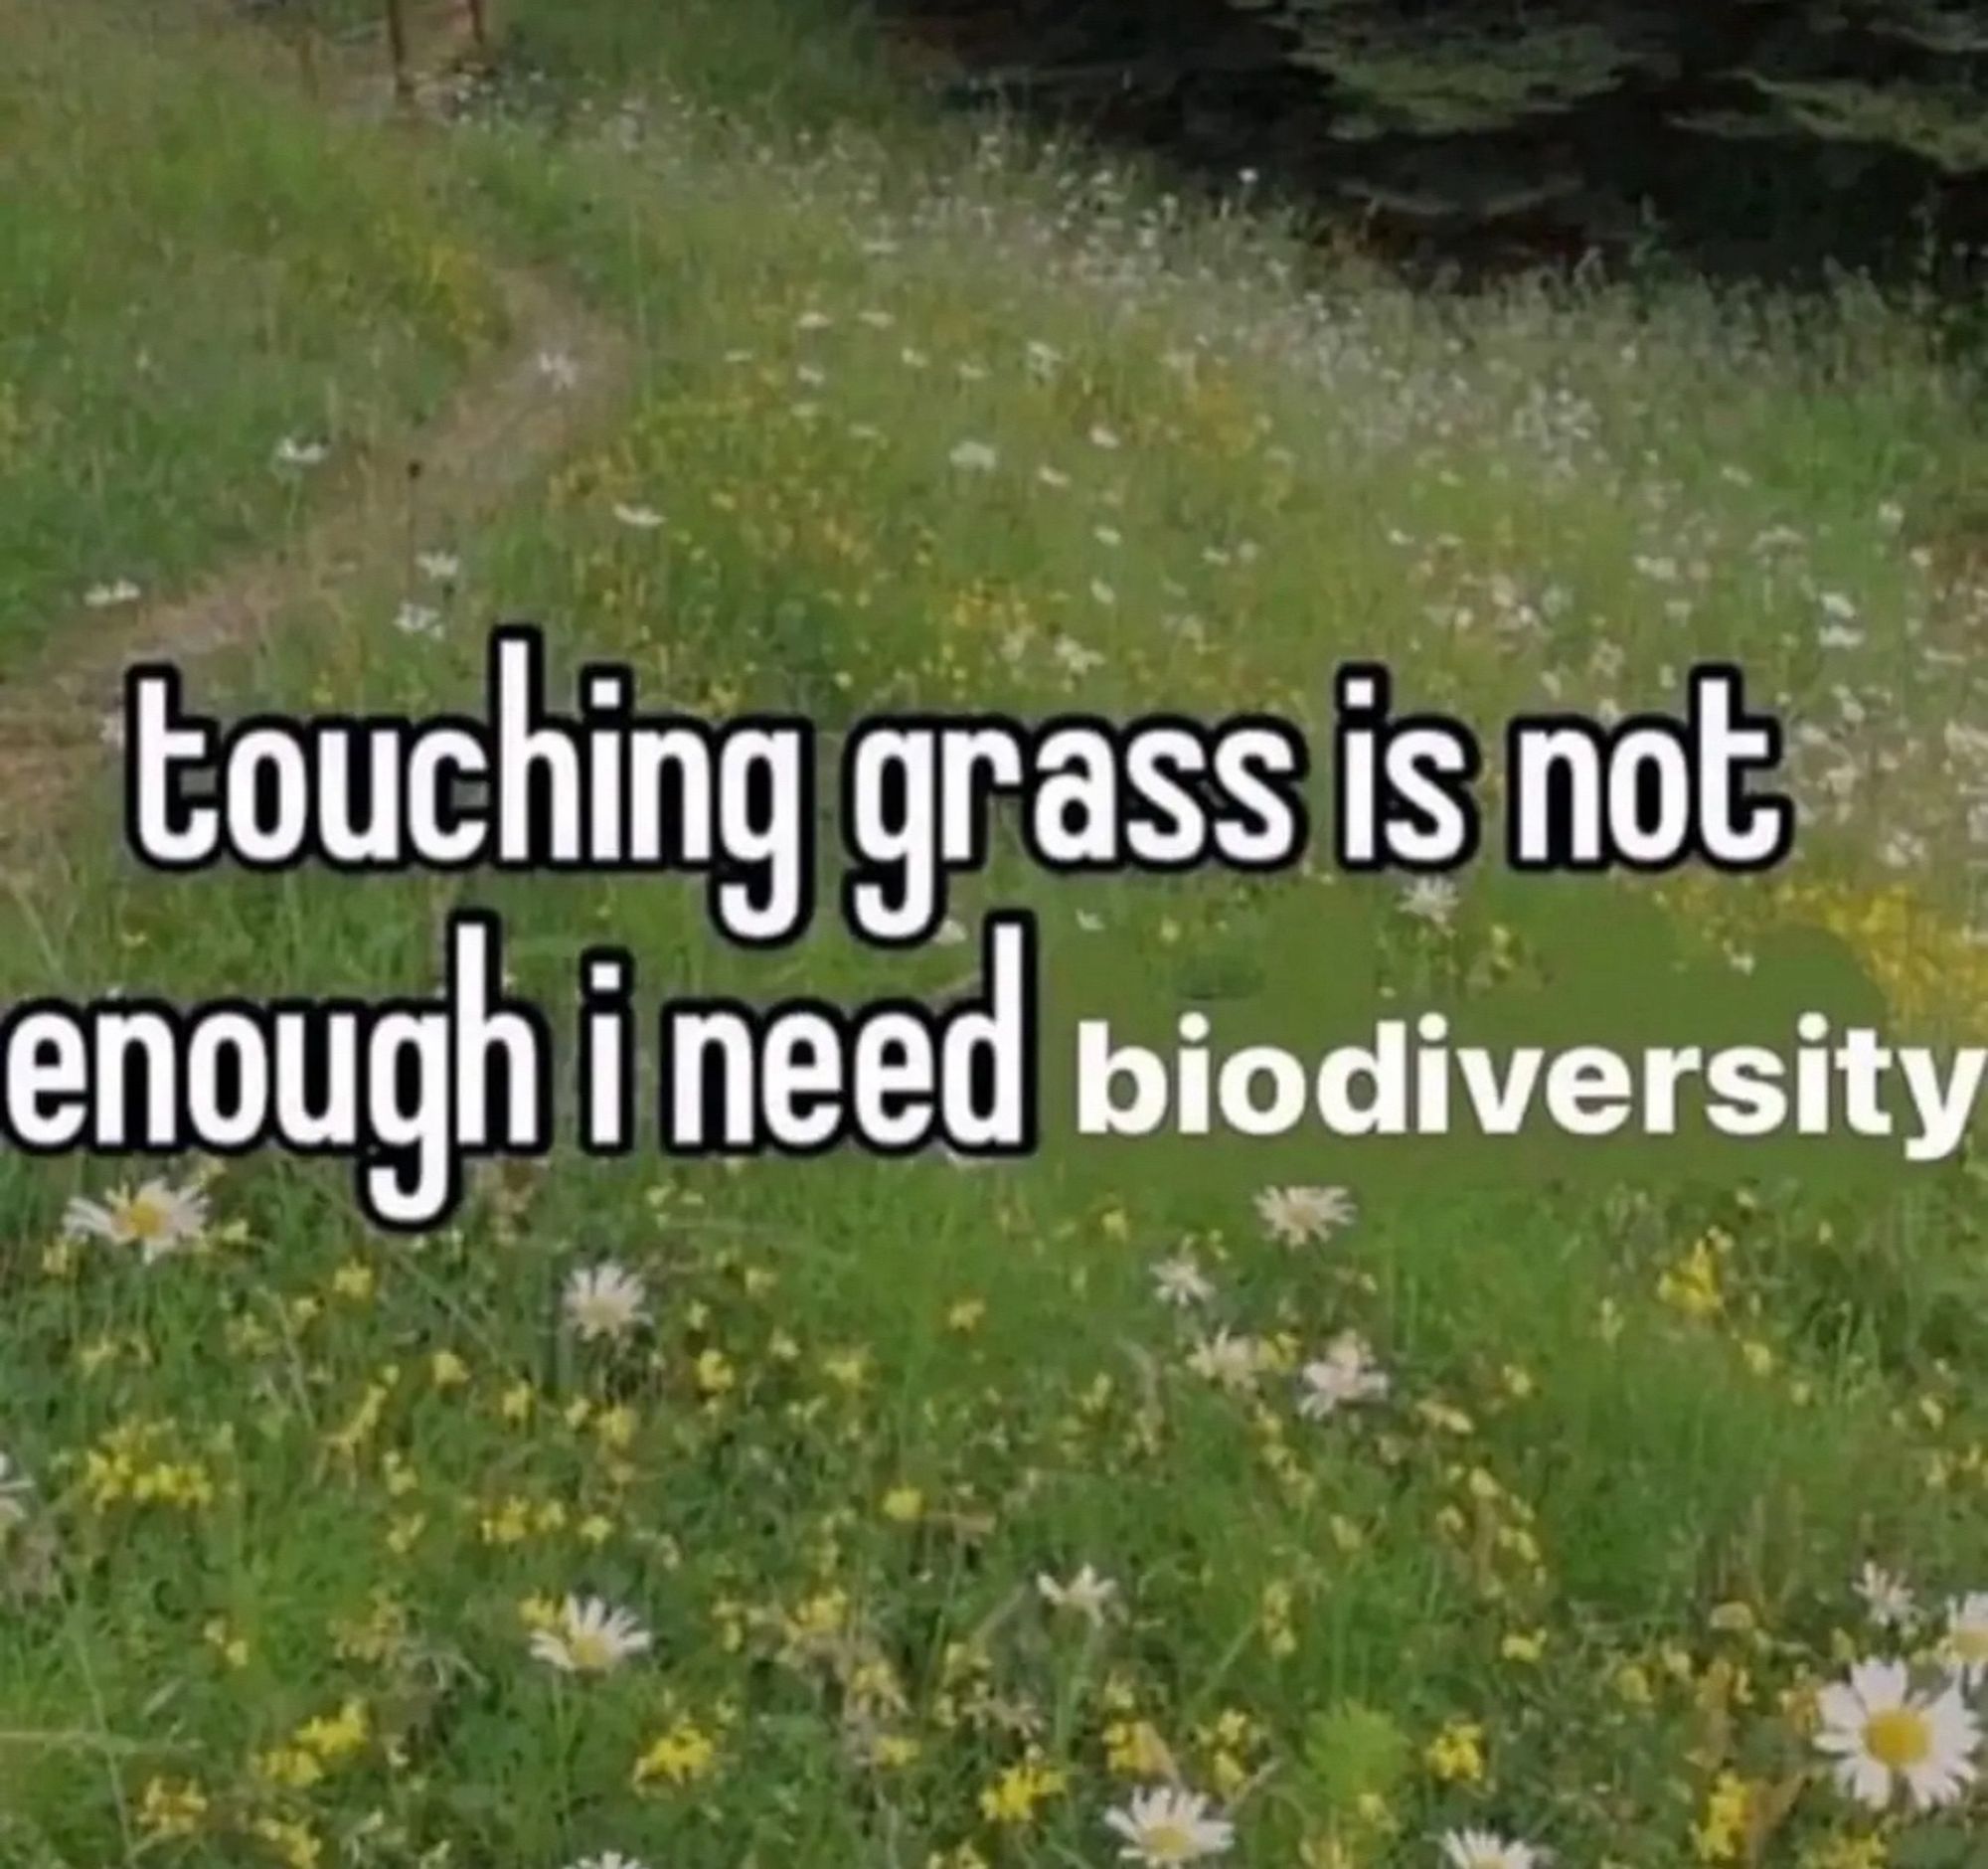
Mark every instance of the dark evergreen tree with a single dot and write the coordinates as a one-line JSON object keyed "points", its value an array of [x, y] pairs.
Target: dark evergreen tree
{"points": [[1761, 130]]}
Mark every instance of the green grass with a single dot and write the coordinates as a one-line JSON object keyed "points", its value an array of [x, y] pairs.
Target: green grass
{"points": [[1650, 1423], [785, 71], [186, 288]]}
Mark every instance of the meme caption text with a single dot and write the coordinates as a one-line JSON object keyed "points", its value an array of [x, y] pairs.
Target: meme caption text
{"points": [[411, 1089]]}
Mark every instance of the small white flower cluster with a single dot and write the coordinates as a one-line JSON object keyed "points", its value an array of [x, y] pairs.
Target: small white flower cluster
{"points": [[15, 1487]]}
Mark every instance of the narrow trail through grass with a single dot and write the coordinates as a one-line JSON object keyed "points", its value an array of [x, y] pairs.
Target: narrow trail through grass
{"points": [[561, 374], [499, 430], [961, 1514]]}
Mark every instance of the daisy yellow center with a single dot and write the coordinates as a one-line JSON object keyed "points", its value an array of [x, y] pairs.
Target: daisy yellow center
{"points": [[592, 1651], [1900, 1737], [144, 1217], [603, 1313], [1169, 1841], [1970, 1643]]}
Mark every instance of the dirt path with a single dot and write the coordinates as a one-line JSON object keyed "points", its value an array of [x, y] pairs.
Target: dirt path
{"points": [[500, 430]]}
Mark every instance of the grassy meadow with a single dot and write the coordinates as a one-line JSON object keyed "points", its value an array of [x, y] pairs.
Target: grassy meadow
{"points": [[1009, 1515], [191, 323]]}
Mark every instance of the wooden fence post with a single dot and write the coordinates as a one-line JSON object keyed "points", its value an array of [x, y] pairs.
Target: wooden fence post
{"points": [[305, 27], [396, 49]]}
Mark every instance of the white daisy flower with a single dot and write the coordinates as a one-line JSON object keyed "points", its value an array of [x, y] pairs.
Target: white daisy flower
{"points": [[292, 452], [158, 1219], [1344, 1376], [604, 1300], [1303, 1216], [418, 619], [950, 932], [1486, 1849], [1888, 1598], [975, 458], [1101, 436], [104, 597], [1086, 1594], [1074, 657], [438, 566], [1432, 899], [1179, 1282], [591, 1638], [559, 368], [14, 1489], [609, 1859], [1964, 1646], [1903, 850], [1164, 1826], [637, 518], [1230, 1361], [1879, 1734]]}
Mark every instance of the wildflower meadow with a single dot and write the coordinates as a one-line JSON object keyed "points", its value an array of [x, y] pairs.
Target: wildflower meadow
{"points": [[929, 1513]]}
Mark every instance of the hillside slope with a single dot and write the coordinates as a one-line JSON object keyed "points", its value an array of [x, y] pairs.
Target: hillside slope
{"points": [[948, 1516]]}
